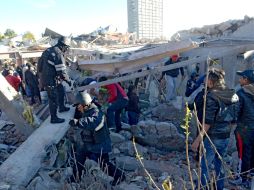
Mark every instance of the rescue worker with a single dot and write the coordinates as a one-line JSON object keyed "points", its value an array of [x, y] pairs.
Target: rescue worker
{"points": [[245, 129], [221, 110], [53, 71], [95, 136]]}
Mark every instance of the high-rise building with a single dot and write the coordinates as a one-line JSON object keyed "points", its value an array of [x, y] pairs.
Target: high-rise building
{"points": [[145, 17]]}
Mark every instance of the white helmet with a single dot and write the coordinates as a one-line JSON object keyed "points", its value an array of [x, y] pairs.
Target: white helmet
{"points": [[83, 98]]}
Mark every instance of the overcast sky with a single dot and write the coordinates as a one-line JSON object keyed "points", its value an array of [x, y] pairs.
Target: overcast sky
{"points": [[83, 16]]}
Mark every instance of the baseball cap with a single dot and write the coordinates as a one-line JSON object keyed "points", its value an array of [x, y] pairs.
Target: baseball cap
{"points": [[249, 74]]}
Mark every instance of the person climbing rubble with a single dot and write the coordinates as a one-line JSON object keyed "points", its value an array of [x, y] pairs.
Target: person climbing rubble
{"points": [[171, 77], [133, 105], [53, 71], [244, 131], [95, 136], [221, 111], [117, 100]]}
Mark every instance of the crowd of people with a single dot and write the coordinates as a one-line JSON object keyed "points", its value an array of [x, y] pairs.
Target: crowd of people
{"points": [[23, 78], [224, 107]]}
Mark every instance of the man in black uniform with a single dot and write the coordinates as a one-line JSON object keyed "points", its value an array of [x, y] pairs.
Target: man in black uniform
{"points": [[53, 72]]}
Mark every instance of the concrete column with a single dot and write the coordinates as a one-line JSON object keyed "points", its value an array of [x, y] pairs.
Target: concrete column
{"points": [[11, 104], [229, 65]]}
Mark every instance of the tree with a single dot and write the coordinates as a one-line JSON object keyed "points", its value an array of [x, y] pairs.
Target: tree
{"points": [[1, 36], [28, 36], [9, 33]]}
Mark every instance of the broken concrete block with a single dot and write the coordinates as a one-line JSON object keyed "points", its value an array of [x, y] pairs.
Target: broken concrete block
{"points": [[128, 149], [126, 134], [116, 138]]}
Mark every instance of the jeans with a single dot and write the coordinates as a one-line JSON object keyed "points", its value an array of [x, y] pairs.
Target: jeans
{"points": [[212, 157], [114, 113], [170, 87], [133, 117]]}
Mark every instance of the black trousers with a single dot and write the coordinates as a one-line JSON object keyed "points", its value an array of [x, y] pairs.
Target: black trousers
{"points": [[248, 153], [103, 159], [56, 99], [34, 92]]}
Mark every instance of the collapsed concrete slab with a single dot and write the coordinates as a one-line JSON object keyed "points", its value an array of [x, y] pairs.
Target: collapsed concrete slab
{"points": [[25, 162], [12, 106], [137, 60]]}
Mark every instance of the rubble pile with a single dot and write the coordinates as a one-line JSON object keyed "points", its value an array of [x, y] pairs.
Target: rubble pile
{"points": [[10, 138], [230, 28]]}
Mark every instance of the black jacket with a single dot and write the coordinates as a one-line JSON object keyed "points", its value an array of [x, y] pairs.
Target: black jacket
{"points": [[52, 66], [133, 103], [31, 79], [246, 110], [95, 132], [172, 72], [220, 103]]}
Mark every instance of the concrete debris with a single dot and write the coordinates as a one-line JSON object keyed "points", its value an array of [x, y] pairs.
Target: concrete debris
{"points": [[116, 138], [161, 135], [232, 28], [159, 139], [127, 149]]}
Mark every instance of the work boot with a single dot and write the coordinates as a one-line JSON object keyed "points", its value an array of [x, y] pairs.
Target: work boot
{"points": [[57, 120], [64, 109]]}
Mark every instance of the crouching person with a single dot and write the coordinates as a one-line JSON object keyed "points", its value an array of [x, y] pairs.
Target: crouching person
{"points": [[221, 110], [95, 135]]}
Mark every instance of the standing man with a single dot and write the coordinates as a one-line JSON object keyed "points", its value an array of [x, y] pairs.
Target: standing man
{"points": [[245, 128], [32, 82], [171, 78], [221, 111], [53, 72]]}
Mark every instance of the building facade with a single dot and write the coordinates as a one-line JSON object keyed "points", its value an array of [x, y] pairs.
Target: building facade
{"points": [[145, 18]]}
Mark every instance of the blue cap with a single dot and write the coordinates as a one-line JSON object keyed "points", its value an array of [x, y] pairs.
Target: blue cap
{"points": [[249, 74]]}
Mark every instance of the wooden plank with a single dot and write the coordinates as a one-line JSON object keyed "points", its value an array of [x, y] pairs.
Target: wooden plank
{"points": [[11, 104], [213, 55], [137, 60], [25, 162]]}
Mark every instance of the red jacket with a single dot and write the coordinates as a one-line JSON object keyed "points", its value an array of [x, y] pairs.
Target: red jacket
{"points": [[112, 90], [13, 81]]}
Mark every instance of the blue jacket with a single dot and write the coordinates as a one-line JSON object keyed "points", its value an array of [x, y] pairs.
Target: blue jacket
{"points": [[246, 110], [220, 103], [95, 132]]}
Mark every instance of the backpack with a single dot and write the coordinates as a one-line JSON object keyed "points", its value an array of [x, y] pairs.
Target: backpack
{"points": [[228, 113]]}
